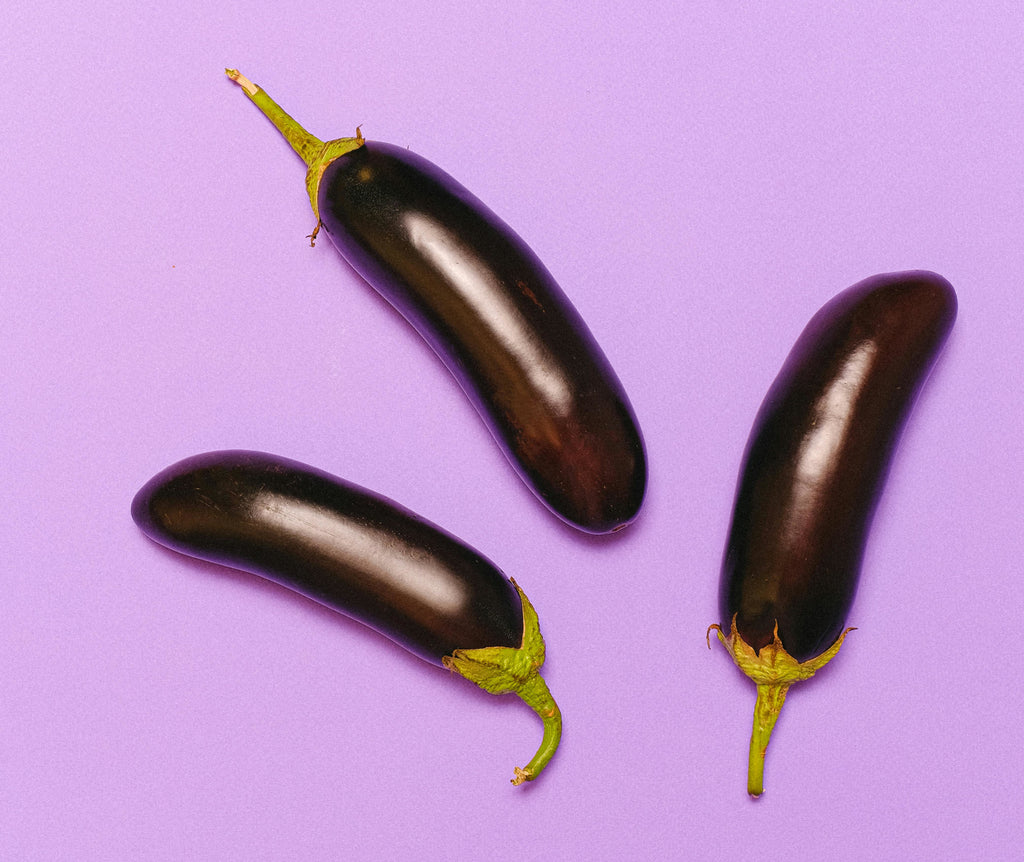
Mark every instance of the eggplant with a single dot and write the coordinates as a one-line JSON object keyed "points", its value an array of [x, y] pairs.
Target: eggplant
{"points": [[360, 554], [491, 311], [812, 474]]}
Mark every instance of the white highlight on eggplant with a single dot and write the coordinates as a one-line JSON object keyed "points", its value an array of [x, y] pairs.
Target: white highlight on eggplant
{"points": [[386, 559], [479, 289], [820, 447]]}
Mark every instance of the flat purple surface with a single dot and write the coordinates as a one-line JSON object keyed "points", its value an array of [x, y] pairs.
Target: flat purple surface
{"points": [[700, 178]]}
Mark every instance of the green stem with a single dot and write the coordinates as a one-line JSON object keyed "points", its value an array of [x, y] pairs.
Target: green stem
{"points": [[773, 670], [536, 695], [306, 145], [516, 670], [770, 698], [315, 153]]}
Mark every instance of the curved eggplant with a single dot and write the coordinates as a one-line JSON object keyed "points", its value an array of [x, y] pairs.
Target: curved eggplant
{"points": [[812, 474], [362, 555], [491, 311]]}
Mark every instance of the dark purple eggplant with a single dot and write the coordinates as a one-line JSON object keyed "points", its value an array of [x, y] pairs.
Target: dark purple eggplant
{"points": [[491, 311], [812, 474], [362, 555]]}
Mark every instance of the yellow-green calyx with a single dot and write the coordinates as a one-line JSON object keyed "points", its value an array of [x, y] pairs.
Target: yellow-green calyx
{"points": [[773, 670], [315, 153], [500, 670]]}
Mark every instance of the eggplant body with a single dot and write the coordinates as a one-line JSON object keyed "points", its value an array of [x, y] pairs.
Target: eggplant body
{"points": [[364, 556], [818, 456], [494, 314], [812, 474], [491, 311], [337, 543]]}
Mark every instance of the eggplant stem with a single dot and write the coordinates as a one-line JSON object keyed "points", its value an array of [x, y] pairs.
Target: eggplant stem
{"points": [[315, 153], [773, 671], [516, 670], [536, 695], [306, 145], [766, 712]]}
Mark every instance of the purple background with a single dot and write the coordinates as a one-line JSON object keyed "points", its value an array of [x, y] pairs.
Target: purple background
{"points": [[700, 178]]}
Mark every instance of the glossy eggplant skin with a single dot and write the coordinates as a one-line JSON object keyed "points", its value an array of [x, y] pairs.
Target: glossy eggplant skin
{"points": [[494, 314], [818, 456], [337, 543]]}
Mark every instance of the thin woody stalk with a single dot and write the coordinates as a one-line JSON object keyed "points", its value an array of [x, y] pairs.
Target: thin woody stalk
{"points": [[315, 153]]}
